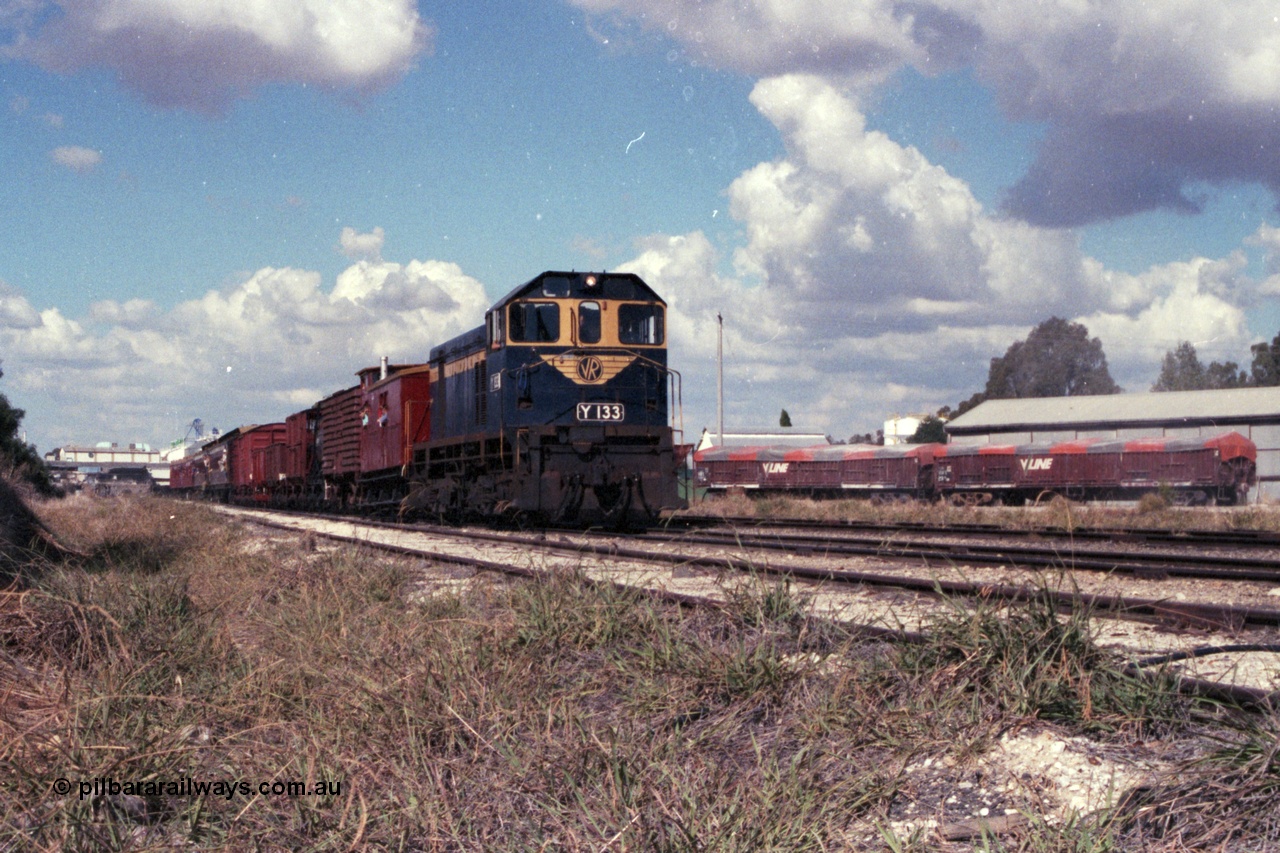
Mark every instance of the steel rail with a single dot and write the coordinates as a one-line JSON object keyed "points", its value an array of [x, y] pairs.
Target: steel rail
{"points": [[1205, 615], [1232, 538], [1177, 614], [1150, 565]]}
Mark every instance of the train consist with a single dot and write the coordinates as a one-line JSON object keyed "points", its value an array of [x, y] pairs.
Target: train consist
{"points": [[1194, 471], [559, 407]]}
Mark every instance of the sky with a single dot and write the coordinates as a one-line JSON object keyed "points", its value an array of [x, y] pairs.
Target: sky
{"points": [[222, 209]]}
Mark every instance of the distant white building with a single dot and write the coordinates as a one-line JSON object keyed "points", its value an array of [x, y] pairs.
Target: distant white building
{"points": [[899, 428], [70, 465], [787, 438]]}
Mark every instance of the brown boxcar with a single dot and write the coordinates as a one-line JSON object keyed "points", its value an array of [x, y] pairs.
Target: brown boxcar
{"points": [[212, 468], [337, 444], [247, 475], [182, 474], [299, 445], [395, 415]]}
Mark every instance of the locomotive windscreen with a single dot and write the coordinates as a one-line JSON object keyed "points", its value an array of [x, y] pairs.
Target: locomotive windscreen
{"points": [[640, 324]]}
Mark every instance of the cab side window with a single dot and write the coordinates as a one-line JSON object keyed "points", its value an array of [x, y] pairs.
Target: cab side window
{"points": [[495, 328], [534, 322], [640, 324]]}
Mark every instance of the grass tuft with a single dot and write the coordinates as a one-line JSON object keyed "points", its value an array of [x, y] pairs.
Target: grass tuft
{"points": [[536, 715]]}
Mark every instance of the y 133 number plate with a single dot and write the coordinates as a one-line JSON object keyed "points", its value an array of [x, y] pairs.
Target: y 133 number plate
{"points": [[601, 412]]}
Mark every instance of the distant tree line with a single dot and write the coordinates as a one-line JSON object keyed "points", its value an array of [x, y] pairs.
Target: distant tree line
{"points": [[1182, 369], [1058, 359], [19, 460]]}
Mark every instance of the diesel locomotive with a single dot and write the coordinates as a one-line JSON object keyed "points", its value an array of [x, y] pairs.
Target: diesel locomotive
{"points": [[557, 406], [561, 407]]}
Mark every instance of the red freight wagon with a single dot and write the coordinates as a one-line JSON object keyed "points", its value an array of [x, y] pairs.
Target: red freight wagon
{"points": [[247, 470], [182, 474], [272, 460], [1196, 470], [300, 445], [394, 415], [338, 444], [283, 468], [846, 469]]}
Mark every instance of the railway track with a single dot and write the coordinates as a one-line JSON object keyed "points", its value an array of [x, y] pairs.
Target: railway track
{"points": [[734, 552], [1148, 535], [894, 605], [909, 544]]}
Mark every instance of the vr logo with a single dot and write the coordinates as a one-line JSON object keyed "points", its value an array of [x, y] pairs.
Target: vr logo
{"points": [[776, 467], [1036, 464]]}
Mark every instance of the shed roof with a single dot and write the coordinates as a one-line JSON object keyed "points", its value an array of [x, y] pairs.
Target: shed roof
{"points": [[762, 438], [1176, 408]]}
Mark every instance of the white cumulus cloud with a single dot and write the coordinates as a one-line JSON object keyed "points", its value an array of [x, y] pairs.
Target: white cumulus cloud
{"points": [[247, 353], [357, 246], [76, 158], [1140, 99], [872, 281], [201, 54]]}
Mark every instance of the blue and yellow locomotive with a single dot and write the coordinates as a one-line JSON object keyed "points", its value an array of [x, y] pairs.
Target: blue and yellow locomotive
{"points": [[558, 407]]}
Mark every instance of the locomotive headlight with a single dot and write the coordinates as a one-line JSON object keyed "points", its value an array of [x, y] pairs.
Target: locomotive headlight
{"points": [[592, 281]]}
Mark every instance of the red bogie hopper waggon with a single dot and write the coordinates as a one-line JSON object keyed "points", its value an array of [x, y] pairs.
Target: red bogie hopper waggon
{"points": [[1214, 469], [1207, 469], [829, 470]]}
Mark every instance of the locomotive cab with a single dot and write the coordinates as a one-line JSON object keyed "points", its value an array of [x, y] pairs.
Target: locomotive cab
{"points": [[558, 406]]}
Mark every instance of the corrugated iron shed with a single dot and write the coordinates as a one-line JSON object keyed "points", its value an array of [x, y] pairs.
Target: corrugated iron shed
{"points": [[1227, 407]]}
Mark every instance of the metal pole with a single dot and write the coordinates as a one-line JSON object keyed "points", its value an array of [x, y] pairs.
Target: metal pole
{"points": [[720, 378]]}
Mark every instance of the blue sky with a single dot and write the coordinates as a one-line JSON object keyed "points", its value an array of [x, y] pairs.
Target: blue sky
{"points": [[511, 136], [223, 209]]}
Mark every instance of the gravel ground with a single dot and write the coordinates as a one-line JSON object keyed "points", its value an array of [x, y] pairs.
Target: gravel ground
{"points": [[876, 606], [1032, 774]]}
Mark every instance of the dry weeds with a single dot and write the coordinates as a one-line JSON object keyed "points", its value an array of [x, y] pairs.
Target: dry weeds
{"points": [[538, 715], [1154, 511]]}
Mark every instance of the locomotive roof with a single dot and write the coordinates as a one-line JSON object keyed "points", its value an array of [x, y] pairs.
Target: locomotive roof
{"points": [[1182, 408], [558, 284], [554, 284]]}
